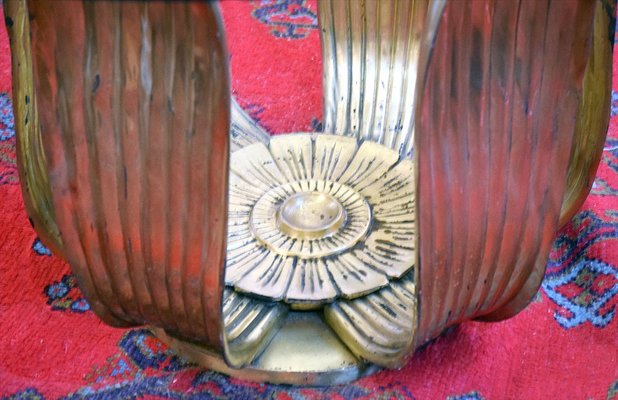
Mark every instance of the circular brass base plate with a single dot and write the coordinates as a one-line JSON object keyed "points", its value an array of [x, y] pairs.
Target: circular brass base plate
{"points": [[304, 352]]}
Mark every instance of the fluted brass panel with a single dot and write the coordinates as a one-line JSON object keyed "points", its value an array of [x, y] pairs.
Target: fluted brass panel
{"points": [[370, 55], [133, 101], [496, 128], [378, 327], [249, 326]]}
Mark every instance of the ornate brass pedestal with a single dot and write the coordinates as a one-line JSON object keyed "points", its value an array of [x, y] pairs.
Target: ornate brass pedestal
{"points": [[458, 137]]}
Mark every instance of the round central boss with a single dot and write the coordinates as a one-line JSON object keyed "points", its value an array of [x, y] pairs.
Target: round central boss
{"points": [[310, 215]]}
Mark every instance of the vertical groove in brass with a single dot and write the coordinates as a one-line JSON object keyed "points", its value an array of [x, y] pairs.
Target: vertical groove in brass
{"points": [[351, 64], [200, 121], [112, 262], [391, 45], [117, 110], [460, 84], [342, 37], [177, 106], [128, 81], [397, 110], [325, 19], [355, 68], [435, 193], [509, 253], [477, 147], [370, 82], [405, 120], [213, 255], [188, 134], [160, 155], [142, 149], [149, 132], [174, 137]]}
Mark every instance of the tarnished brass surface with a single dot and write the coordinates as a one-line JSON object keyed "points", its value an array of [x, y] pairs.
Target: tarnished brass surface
{"points": [[495, 133], [372, 196], [370, 53], [593, 114], [125, 123], [30, 154], [136, 145], [304, 352]]}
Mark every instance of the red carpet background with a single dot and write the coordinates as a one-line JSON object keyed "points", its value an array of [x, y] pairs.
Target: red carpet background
{"points": [[563, 346]]}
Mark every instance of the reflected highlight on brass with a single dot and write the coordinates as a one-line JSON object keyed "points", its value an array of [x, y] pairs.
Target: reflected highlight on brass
{"points": [[310, 215]]}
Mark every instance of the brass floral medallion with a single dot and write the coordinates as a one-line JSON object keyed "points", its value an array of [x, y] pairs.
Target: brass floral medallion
{"points": [[314, 218]]}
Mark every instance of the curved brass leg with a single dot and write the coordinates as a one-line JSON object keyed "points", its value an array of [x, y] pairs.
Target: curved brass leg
{"points": [[495, 130], [370, 55]]}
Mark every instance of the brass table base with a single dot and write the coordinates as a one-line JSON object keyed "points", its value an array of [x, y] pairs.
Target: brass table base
{"points": [[317, 281]]}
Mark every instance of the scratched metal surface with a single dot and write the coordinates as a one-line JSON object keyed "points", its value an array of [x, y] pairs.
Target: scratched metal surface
{"points": [[497, 124], [135, 121]]}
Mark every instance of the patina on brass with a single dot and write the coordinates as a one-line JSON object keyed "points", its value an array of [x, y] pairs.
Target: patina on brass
{"points": [[593, 114], [449, 159]]}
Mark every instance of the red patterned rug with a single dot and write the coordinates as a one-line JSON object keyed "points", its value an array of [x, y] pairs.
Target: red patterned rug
{"points": [[563, 346]]}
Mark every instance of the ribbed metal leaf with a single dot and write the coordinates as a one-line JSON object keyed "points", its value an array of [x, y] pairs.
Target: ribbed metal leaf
{"points": [[134, 108]]}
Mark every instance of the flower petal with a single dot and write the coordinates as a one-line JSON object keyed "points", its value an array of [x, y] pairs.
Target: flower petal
{"points": [[249, 325], [380, 326], [311, 283], [293, 155], [353, 277], [269, 278]]}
